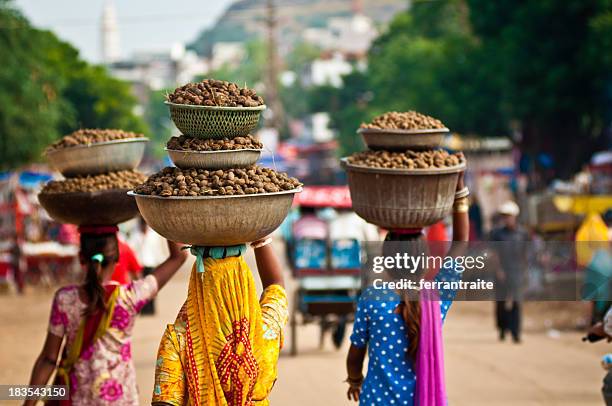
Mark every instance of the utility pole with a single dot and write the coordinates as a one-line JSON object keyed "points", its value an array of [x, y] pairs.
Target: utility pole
{"points": [[272, 70]]}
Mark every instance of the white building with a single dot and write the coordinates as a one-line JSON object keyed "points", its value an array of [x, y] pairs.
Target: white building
{"points": [[110, 47], [328, 71], [161, 69], [349, 35], [227, 53]]}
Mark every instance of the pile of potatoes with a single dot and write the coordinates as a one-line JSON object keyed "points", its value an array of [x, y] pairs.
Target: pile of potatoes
{"points": [[210, 92], [186, 143], [434, 159], [112, 180], [88, 136], [409, 120], [199, 182]]}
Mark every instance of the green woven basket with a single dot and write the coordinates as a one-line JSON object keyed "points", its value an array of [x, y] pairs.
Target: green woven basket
{"points": [[214, 121]]}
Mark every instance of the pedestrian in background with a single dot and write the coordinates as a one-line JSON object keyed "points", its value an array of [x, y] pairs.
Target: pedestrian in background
{"points": [[509, 244]]}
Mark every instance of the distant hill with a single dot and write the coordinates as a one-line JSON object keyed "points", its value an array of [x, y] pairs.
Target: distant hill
{"points": [[245, 19]]}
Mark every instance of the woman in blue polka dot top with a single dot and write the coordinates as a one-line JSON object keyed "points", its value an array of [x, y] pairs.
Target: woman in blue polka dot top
{"points": [[387, 326]]}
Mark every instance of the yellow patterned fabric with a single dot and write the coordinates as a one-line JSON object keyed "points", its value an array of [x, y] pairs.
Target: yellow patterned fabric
{"points": [[223, 347]]}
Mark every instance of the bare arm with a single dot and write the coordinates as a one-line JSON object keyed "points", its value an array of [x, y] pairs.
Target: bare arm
{"points": [[170, 266], [461, 226], [268, 266], [45, 363], [461, 222], [354, 368]]}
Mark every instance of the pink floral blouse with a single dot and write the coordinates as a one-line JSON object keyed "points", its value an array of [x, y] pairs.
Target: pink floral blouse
{"points": [[105, 374]]}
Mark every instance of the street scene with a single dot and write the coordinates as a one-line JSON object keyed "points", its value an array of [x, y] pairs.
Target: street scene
{"points": [[480, 370], [296, 202]]}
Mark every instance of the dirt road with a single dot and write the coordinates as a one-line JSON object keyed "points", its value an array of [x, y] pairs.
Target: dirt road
{"points": [[544, 370]]}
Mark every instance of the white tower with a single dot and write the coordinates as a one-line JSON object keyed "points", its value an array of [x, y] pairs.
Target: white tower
{"points": [[111, 51]]}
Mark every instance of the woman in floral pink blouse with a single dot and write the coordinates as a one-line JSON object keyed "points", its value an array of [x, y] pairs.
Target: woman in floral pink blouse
{"points": [[96, 320]]}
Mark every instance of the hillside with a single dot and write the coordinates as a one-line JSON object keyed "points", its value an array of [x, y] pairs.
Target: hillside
{"points": [[245, 19]]}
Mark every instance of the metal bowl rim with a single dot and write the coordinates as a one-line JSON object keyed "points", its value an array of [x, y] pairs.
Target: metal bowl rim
{"points": [[97, 144], [217, 108], [192, 198], [222, 151], [391, 171], [86, 194], [395, 131]]}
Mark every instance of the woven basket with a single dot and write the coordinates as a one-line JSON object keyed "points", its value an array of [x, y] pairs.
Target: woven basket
{"points": [[213, 121], [402, 198]]}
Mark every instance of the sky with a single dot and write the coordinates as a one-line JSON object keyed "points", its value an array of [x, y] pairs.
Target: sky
{"points": [[143, 24]]}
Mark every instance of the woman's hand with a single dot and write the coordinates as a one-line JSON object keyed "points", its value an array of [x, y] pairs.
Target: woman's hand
{"points": [[353, 393], [460, 181]]}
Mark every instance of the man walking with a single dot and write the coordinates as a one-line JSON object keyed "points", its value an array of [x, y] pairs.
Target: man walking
{"points": [[510, 245]]}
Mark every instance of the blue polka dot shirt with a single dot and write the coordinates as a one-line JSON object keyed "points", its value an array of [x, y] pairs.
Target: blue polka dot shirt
{"points": [[390, 379]]}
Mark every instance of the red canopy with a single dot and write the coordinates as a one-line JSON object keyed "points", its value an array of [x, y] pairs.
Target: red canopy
{"points": [[337, 197]]}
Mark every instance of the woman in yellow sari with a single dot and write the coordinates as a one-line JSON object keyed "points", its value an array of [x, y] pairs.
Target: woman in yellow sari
{"points": [[224, 345]]}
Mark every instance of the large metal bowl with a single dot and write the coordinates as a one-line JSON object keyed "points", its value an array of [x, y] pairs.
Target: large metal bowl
{"points": [[215, 220], [106, 207], [214, 121], [402, 198], [395, 140], [239, 158], [102, 157]]}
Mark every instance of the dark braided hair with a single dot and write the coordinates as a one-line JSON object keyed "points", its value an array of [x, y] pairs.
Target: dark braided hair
{"points": [[97, 252], [409, 307]]}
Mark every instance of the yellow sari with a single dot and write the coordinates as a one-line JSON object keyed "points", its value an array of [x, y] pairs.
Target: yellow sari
{"points": [[224, 345]]}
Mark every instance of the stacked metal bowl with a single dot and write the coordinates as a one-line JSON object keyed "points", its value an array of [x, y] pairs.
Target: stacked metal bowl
{"points": [[103, 207], [215, 220], [402, 198]]}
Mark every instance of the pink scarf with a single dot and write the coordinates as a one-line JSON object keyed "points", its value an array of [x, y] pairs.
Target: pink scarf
{"points": [[430, 386]]}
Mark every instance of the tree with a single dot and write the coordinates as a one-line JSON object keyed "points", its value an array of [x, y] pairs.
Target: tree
{"points": [[46, 90], [553, 62], [492, 67], [100, 101], [32, 108]]}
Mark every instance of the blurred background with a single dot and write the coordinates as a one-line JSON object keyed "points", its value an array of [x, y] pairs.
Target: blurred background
{"points": [[524, 86]]}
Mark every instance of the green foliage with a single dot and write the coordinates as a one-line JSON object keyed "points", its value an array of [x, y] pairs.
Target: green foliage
{"points": [[100, 101], [46, 90], [485, 67], [553, 60], [32, 109], [159, 122]]}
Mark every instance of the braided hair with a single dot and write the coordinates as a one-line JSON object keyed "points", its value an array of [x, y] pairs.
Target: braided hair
{"points": [[97, 252], [409, 307]]}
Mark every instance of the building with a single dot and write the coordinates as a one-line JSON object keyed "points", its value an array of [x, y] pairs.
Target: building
{"points": [[227, 53], [161, 69], [348, 35], [326, 71], [110, 40]]}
